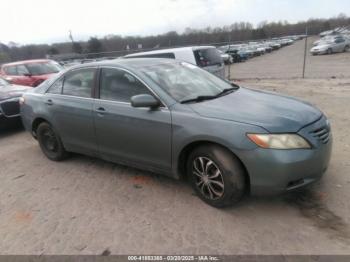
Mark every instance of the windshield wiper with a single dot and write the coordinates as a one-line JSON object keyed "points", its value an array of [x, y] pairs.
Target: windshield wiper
{"points": [[225, 91], [197, 99]]}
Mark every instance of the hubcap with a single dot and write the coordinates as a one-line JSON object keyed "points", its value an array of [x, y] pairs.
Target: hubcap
{"points": [[208, 178]]}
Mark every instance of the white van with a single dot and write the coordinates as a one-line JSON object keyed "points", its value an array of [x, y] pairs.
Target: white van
{"points": [[206, 57]]}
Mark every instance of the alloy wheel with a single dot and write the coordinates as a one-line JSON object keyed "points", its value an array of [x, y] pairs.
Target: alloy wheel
{"points": [[208, 178]]}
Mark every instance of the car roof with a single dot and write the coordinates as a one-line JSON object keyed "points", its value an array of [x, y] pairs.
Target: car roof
{"points": [[27, 62], [134, 63], [168, 50]]}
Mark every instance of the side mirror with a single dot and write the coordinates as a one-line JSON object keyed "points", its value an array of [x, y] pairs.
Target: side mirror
{"points": [[144, 101]]}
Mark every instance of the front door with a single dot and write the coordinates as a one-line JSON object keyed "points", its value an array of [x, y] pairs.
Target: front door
{"points": [[140, 136]]}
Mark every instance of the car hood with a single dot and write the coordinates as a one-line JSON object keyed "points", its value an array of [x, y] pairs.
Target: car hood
{"points": [[12, 91], [321, 46], [273, 112]]}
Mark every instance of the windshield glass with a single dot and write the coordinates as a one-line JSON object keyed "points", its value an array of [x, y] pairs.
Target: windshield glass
{"points": [[207, 57], [3, 82], [184, 81], [43, 68]]}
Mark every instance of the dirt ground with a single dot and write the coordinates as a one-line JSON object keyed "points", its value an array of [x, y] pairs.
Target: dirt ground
{"points": [[88, 206]]}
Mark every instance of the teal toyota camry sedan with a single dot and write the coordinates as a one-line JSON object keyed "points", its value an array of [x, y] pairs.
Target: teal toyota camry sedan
{"points": [[173, 118]]}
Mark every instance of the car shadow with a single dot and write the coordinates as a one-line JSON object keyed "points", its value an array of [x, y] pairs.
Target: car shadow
{"points": [[310, 204], [9, 129]]}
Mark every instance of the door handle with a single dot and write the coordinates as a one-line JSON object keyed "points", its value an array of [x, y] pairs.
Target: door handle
{"points": [[49, 102], [101, 111]]}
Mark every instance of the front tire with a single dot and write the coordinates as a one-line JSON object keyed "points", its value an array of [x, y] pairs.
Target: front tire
{"points": [[50, 142], [329, 51], [346, 48], [216, 175]]}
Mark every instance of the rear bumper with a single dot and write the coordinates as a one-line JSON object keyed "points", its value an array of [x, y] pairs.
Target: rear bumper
{"points": [[274, 172]]}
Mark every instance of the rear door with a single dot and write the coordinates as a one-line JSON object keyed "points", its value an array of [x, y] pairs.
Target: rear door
{"points": [[210, 60], [69, 103], [140, 136]]}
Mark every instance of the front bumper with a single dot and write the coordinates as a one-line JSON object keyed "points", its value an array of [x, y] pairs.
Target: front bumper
{"points": [[10, 108], [318, 52], [274, 172]]}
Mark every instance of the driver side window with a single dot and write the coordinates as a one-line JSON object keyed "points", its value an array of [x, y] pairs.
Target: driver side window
{"points": [[119, 85]]}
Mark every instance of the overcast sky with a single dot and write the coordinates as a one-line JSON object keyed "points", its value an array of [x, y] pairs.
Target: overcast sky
{"points": [[40, 21]]}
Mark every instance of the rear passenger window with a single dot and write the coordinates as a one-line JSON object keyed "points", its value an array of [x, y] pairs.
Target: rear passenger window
{"points": [[10, 70], [119, 85], [79, 83], [56, 88]]}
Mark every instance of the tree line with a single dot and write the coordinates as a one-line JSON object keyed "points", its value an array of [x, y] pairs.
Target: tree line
{"points": [[239, 31]]}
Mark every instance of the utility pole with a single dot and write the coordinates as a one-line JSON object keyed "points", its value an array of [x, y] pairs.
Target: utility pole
{"points": [[71, 36], [305, 50]]}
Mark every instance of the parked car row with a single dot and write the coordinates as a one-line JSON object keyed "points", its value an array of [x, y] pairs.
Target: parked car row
{"points": [[336, 31], [243, 51]]}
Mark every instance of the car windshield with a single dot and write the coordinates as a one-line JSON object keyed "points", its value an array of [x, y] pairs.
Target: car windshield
{"points": [[3, 82], [184, 81], [43, 68]]}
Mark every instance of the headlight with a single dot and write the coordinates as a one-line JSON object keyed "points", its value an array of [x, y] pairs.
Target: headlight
{"points": [[279, 141]]}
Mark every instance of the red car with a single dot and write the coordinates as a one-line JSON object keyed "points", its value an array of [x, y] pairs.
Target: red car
{"points": [[29, 72]]}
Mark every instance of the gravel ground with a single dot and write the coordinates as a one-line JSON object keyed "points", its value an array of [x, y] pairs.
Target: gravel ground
{"points": [[88, 206]]}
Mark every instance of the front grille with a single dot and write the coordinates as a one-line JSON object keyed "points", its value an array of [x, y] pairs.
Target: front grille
{"points": [[322, 134], [10, 108]]}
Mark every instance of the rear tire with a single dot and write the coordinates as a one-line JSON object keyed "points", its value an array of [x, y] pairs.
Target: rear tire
{"points": [[50, 142], [346, 48], [216, 175], [329, 51]]}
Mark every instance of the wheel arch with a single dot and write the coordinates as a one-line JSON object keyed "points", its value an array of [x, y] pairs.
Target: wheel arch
{"points": [[188, 148], [35, 124]]}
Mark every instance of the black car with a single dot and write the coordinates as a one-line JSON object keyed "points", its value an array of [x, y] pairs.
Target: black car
{"points": [[236, 57], [9, 103]]}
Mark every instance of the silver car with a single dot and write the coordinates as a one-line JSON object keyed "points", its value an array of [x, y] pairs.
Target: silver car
{"points": [[332, 45], [174, 118]]}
